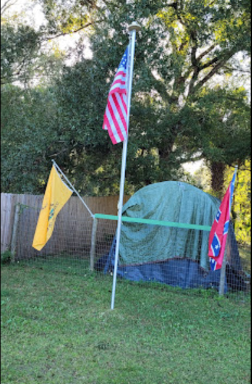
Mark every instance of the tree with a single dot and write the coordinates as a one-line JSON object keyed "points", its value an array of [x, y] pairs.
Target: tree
{"points": [[27, 114], [221, 118], [27, 138], [70, 16], [181, 48], [24, 56], [241, 207]]}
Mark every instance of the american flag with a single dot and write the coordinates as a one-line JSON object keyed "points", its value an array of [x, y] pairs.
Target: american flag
{"points": [[219, 230], [115, 117]]}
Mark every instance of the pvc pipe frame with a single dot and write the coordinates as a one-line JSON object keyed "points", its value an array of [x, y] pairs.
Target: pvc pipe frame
{"points": [[124, 155], [154, 222]]}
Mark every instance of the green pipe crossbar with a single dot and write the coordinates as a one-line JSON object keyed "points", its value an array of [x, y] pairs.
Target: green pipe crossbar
{"points": [[155, 222]]}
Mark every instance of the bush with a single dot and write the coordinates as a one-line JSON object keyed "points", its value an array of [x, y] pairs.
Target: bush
{"points": [[6, 257]]}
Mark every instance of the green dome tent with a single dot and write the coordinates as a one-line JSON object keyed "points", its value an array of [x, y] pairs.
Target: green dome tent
{"points": [[172, 255]]}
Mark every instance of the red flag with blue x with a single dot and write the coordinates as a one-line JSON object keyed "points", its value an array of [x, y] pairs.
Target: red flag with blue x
{"points": [[219, 230]]}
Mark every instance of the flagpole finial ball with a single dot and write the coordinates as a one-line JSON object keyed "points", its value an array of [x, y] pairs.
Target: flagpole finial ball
{"points": [[135, 26]]}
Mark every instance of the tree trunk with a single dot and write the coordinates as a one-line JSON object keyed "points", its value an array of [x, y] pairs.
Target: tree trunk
{"points": [[165, 151], [217, 178]]}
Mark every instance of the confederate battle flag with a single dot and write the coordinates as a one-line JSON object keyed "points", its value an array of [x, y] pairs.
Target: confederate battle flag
{"points": [[219, 230]]}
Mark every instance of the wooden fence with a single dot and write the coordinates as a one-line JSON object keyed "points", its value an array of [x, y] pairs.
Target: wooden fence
{"points": [[69, 218]]}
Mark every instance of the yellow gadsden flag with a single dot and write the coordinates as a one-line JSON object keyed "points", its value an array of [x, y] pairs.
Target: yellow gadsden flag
{"points": [[56, 195]]}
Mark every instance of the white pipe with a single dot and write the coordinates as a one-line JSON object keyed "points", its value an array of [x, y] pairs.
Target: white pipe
{"points": [[133, 28]]}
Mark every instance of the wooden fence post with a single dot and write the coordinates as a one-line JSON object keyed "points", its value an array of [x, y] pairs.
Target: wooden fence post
{"points": [[14, 233], [93, 241]]}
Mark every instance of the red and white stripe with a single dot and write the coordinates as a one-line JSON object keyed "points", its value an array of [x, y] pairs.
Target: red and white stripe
{"points": [[115, 117]]}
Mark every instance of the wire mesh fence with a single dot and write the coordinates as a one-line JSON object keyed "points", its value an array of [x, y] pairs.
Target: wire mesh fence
{"points": [[69, 249], [177, 257]]}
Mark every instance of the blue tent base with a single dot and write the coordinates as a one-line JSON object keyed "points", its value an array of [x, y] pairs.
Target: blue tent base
{"points": [[183, 273], [177, 272]]}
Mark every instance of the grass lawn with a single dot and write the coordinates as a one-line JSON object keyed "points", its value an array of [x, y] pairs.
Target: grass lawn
{"points": [[57, 328]]}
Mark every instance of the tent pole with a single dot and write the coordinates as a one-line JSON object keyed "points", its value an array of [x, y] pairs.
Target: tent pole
{"points": [[132, 29]]}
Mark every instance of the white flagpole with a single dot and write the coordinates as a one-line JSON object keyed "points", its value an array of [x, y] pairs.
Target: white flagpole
{"points": [[83, 202], [132, 29]]}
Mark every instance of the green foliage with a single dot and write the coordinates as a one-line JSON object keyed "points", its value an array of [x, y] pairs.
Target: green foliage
{"points": [[241, 207], [22, 56], [67, 17], [28, 138], [245, 254], [19, 46], [201, 179], [222, 122], [6, 257]]}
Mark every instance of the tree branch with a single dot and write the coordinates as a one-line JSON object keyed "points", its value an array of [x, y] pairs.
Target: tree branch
{"points": [[178, 7], [206, 52], [194, 61], [192, 158], [209, 63], [77, 30], [7, 5], [219, 65], [173, 5], [182, 45], [212, 3], [160, 88], [193, 80], [236, 69]]}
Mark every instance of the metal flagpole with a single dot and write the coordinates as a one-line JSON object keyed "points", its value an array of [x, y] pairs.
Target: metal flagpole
{"points": [[132, 29], [83, 202]]}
